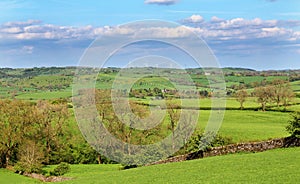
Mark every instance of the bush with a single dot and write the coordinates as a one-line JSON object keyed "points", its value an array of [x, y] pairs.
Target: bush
{"points": [[30, 158], [201, 141], [61, 169], [22, 167], [294, 125]]}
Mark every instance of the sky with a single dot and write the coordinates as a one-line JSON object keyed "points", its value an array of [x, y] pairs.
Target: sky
{"points": [[256, 34]]}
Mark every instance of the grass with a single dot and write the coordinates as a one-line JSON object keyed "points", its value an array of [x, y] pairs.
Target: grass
{"points": [[274, 166], [8, 177], [46, 95], [244, 126], [296, 86], [231, 103]]}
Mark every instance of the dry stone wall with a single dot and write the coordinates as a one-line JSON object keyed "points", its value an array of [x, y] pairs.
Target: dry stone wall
{"points": [[235, 148]]}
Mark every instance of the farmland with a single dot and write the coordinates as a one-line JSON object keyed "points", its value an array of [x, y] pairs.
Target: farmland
{"points": [[50, 89]]}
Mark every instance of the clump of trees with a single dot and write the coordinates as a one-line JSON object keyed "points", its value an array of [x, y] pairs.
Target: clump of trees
{"points": [[280, 93], [34, 134]]}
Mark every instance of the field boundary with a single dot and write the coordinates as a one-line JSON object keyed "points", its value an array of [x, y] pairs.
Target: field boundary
{"points": [[235, 148]]}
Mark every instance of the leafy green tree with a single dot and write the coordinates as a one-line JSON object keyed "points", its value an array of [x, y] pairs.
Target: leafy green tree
{"points": [[294, 125], [52, 131], [15, 126]]}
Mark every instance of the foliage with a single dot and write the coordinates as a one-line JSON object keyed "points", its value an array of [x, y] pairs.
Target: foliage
{"points": [[31, 157], [282, 93], [15, 125], [241, 97], [264, 95], [61, 169], [294, 125], [34, 132], [199, 140]]}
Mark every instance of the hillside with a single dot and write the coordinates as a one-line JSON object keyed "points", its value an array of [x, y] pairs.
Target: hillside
{"points": [[275, 166]]}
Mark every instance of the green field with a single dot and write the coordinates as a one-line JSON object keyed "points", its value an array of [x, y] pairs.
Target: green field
{"points": [[275, 166], [244, 126], [8, 177], [46, 95], [296, 86], [231, 103]]}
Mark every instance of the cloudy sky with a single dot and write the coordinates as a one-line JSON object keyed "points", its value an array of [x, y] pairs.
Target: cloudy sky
{"points": [[257, 34]]}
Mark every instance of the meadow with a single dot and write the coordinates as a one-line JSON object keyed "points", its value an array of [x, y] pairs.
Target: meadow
{"points": [[274, 166]]}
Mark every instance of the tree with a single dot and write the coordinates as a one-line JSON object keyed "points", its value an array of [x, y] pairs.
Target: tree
{"points": [[264, 95], [31, 157], [174, 114], [241, 97], [15, 122], [52, 132], [294, 125], [283, 92]]}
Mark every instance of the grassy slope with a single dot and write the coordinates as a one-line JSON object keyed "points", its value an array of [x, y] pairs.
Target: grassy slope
{"points": [[8, 177], [276, 166]]}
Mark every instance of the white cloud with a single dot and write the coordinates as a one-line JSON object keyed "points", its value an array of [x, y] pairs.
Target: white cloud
{"points": [[215, 29], [12, 30], [236, 33], [194, 19], [216, 19], [26, 23], [161, 2]]}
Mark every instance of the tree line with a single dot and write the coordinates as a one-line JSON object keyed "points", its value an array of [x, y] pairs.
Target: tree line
{"points": [[278, 92]]}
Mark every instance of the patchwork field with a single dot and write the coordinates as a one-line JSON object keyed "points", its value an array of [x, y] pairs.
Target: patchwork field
{"points": [[54, 86]]}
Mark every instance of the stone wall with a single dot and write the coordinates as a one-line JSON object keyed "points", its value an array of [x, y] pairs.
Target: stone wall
{"points": [[235, 148]]}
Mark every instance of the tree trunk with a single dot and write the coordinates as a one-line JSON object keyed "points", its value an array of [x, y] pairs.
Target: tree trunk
{"points": [[7, 159], [263, 106], [99, 159]]}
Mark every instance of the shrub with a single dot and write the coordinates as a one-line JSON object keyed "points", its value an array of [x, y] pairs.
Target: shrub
{"points": [[294, 125], [61, 169], [201, 141], [30, 157]]}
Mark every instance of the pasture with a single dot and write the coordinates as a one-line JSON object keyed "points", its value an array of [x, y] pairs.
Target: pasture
{"points": [[274, 166]]}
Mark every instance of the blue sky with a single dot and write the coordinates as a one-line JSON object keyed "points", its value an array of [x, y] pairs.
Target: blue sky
{"points": [[258, 34]]}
